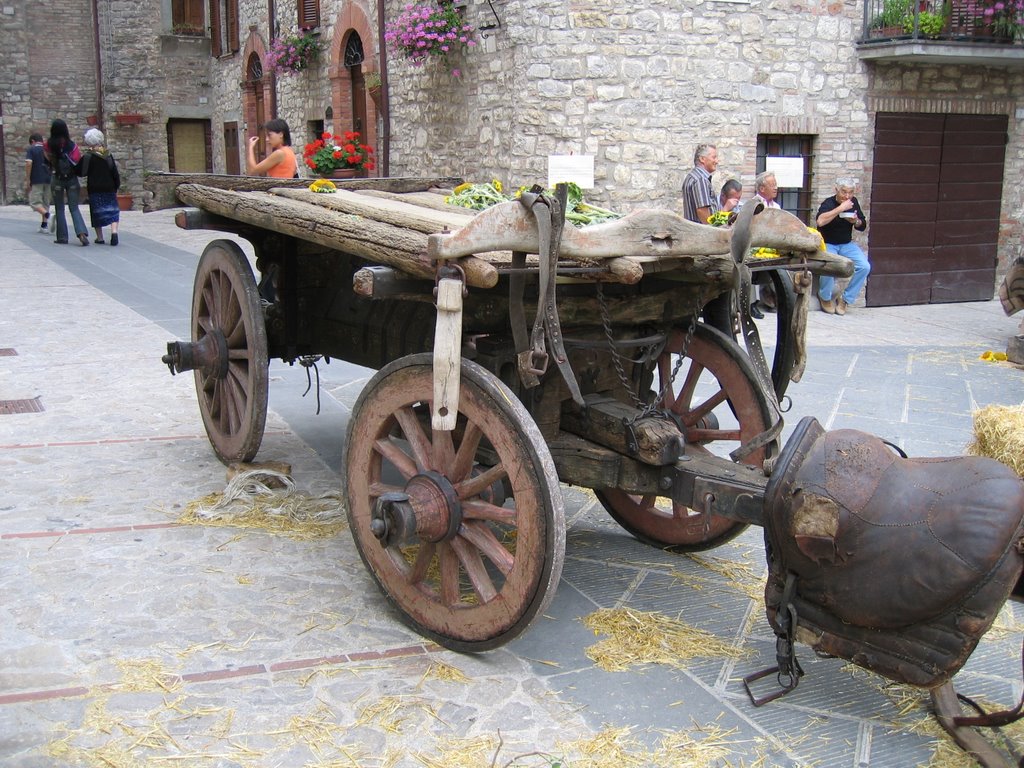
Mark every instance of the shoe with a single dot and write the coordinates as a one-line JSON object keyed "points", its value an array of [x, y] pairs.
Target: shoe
{"points": [[99, 241], [840, 306], [113, 239], [828, 306], [755, 312], [84, 238]]}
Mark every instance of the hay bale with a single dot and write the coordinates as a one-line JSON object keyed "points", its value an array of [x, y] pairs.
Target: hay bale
{"points": [[999, 435]]}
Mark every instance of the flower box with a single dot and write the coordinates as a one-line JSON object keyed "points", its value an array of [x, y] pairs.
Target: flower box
{"points": [[128, 118]]}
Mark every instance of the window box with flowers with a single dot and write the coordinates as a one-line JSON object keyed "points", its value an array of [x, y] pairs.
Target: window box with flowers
{"points": [[291, 54], [339, 156], [425, 31]]}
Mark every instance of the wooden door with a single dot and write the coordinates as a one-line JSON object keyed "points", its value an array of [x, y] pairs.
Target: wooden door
{"points": [[232, 158], [935, 198], [188, 146]]}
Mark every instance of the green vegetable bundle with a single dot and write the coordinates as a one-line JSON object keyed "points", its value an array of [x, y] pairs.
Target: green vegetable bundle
{"points": [[478, 197]]}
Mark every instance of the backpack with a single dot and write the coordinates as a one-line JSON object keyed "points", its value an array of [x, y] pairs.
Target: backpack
{"points": [[64, 169]]}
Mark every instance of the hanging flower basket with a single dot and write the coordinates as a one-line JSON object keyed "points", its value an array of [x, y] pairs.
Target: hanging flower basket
{"points": [[293, 53], [428, 30], [128, 118]]}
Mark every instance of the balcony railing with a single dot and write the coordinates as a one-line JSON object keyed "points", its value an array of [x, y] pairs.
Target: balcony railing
{"points": [[955, 31]]}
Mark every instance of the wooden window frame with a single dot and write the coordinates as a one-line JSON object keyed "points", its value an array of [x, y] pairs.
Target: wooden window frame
{"points": [[308, 13], [796, 201]]}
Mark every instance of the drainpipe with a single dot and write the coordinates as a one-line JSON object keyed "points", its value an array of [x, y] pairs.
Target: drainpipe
{"points": [[385, 144], [99, 62]]}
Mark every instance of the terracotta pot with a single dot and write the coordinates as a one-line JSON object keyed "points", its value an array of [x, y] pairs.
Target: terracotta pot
{"points": [[342, 173], [124, 201]]}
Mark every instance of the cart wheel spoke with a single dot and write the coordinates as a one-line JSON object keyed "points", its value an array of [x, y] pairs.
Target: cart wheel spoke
{"points": [[396, 456], [424, 557], [482, 510], [720, 405], [480, 483], [450, 590], [443, 450], [232, 392], [413, 432], [471, 556], [694, 415], [463, 461], [483, 538]]}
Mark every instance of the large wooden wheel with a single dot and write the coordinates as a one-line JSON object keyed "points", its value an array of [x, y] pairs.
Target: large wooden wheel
{"points": [[719, 405], [471, 548], [230, 338]]}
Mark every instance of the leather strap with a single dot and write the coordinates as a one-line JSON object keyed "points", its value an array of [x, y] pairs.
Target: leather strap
{"points": [[740, 244], [550, 217]]}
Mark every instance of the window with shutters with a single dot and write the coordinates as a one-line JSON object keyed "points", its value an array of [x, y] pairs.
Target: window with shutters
{"points": [[309, 14], [188, 17], [224, 27]]}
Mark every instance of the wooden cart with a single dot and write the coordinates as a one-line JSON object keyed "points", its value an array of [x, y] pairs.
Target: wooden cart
{"points": [[513, 354]]}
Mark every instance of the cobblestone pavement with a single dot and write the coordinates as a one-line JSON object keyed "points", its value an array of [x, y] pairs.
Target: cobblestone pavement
{"points": [[128, 639]]}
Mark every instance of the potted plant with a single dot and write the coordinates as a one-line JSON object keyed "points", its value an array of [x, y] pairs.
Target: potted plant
{"points": [[890, 22], [372, 81], [428, 30], [929, 23], [1004, 19], [339, 156], [291, 54]]}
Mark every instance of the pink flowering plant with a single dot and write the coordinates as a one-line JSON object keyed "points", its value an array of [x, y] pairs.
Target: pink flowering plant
{"points": [[292, 53], [425, 30], [1006, 17]]}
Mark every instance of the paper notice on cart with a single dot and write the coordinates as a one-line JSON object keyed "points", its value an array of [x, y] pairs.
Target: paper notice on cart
{"points": [[575, 168]]}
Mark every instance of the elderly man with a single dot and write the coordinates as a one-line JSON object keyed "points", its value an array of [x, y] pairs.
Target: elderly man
{"points": [[729, 197], [699, 200], [766, 189], [838, 216]]}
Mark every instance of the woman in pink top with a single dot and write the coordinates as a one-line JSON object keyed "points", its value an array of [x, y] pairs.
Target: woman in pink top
{"points": [[280, 163]]}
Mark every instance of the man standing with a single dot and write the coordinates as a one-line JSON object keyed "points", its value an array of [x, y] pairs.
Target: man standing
{"points": [[699, 200], [838, 216], [37, 179]]}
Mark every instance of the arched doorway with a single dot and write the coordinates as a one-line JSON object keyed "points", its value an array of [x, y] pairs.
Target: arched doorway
{"points": [[353, 63], [255, 102]]}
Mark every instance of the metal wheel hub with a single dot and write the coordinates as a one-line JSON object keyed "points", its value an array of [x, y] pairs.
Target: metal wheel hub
{"points": [[208, 355], [429, 509]]}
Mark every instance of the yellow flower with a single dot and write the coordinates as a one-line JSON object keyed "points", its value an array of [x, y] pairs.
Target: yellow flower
{"points": [[496, 184], [461, 188], [322, 185], [994, 357], [765, 253], [821, 240]]}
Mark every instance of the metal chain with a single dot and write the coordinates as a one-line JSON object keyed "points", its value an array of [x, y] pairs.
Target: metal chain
{"points": [[652, 408]]}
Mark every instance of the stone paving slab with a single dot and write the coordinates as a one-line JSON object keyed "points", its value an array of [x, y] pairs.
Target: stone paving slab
{"points": [[253, 635]]}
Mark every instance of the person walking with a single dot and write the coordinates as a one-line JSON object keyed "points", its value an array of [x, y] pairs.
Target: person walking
{"points": [[281, 162], [699, 200], [101, 174], [64, 157], [37, 179], [838, 216]]}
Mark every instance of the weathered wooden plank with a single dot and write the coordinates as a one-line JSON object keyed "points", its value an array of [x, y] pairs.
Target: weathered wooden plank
{"points": [[652, 441], [781, 230], [374, 241], [397, 212], [425, 199], [162, 185], [644, 235]]}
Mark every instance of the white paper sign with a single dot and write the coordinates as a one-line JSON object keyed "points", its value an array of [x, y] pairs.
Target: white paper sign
{"points": [[575, 168], [789, 171]]}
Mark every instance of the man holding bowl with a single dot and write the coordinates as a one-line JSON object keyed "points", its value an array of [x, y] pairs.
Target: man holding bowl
{"points": [[838, 216]]}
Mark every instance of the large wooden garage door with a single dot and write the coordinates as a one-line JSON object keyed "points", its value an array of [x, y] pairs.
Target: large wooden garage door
{"points": [[934, 218]]}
